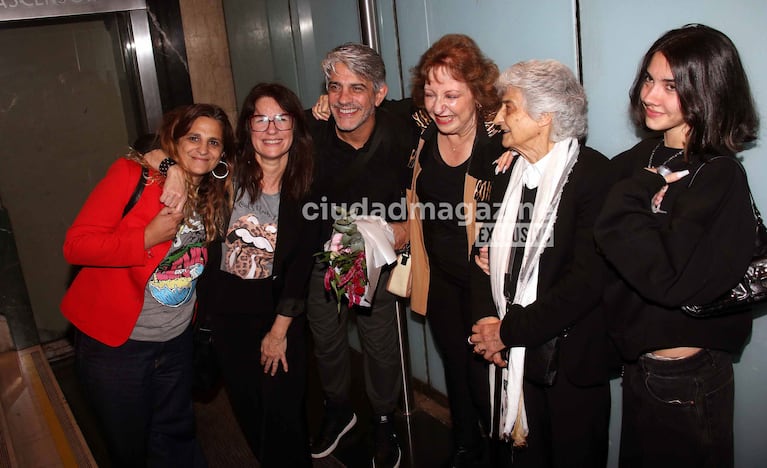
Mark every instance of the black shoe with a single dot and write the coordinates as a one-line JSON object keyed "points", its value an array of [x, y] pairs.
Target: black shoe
{"points": [[388, 453], [465, 457], [335, 424]]}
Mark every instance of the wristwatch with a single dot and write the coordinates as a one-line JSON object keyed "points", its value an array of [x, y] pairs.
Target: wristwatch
{"points": [[165, 165]]}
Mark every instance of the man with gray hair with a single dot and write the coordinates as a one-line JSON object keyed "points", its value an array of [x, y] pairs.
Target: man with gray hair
{"points": [[361, 154]]}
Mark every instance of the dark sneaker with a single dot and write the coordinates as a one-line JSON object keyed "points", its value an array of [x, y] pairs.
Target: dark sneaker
{"points": [[335, 425], [465, 457], [388, 453]]}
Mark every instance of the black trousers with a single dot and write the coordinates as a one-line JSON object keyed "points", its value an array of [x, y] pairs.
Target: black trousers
{"points": [[466, 375], [270, 410], [568, 426]]}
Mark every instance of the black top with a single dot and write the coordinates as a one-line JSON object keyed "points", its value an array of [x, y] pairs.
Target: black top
{"points": [[693, 251], [524, 216], [379, 187], [440, 190], [443, 187]]}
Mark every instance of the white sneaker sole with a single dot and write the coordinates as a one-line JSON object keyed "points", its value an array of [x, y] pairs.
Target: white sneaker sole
{"points": [[333, 446], [396, 464]]}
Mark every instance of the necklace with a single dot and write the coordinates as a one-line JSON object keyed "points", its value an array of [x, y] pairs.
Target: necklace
{"points": [[462, 142], [652, 155]]}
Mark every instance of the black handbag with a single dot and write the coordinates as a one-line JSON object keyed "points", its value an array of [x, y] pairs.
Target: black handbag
{"points": [[751, 289], [542, 362], [206, 372]]}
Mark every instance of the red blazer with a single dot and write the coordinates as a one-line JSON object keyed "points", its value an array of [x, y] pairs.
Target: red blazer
{"points": [[106, 297]]}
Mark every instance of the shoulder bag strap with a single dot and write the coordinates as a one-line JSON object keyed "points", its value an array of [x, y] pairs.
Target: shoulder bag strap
{"points": [[137, 191]]}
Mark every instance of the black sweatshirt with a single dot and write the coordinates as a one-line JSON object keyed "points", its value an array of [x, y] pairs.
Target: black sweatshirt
{"points": [[691, 254]]}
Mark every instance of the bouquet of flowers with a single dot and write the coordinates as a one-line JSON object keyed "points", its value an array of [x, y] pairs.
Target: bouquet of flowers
{"points": [[345, 255]]}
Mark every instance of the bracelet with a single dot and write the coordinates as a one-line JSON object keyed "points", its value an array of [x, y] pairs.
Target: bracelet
{"points": [[165, 165]]}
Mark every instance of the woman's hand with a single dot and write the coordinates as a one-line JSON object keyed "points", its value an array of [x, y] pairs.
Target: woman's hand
{"points": [[174, 189], [274, 345], [503, 163], [273, 350], [483, 260], [321, 109], [670, 178], [486, 338], [163, 227]]}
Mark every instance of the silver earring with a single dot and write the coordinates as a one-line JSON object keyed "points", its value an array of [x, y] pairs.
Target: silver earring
{"points": [[226, 168]]}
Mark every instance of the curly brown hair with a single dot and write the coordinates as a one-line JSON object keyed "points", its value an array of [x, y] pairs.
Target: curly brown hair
{"points": [[464, 61], [207, 198]]}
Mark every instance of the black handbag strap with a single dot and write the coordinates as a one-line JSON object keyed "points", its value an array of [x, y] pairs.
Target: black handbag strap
{"points": [[137, 191], [757, 214], [761, 231]]}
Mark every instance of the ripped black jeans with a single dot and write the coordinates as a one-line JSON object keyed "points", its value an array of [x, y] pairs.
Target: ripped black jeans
{"points": [[678, 412]]}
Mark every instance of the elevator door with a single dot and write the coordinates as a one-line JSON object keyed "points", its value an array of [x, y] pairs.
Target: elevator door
{"points": [[68, 108]]}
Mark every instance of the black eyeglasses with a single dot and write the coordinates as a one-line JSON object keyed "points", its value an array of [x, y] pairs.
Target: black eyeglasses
{"points": [[260, 123]]}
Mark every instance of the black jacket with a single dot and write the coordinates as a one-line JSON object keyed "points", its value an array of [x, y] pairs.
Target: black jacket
{"points": [[570, 281], [282, 293]]}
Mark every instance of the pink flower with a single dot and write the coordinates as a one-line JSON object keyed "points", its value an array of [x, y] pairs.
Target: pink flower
{"points": [[346, 274], [335, 242]]}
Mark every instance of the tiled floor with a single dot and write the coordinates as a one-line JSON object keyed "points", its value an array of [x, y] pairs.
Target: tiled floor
{"points": [[425, 438]]}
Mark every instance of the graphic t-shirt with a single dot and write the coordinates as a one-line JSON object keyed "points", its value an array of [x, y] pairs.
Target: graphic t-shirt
{"points": [[248, 249], [170, 292]]}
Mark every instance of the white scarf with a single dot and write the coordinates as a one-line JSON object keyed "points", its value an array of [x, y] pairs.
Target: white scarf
{"points": [[556, 170]]}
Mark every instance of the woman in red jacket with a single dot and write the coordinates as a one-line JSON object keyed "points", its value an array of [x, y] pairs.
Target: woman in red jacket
{"points": [[133, 301]]}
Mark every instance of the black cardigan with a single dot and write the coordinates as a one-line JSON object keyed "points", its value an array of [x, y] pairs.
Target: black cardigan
{"points": [[690, 255], [570, 280], [293, 261]]}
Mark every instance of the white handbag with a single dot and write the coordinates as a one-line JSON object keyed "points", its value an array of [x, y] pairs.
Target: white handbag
{"points": [[400, 279]]}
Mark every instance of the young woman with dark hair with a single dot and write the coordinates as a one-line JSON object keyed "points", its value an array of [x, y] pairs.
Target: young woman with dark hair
{"points": [[678, 228]]}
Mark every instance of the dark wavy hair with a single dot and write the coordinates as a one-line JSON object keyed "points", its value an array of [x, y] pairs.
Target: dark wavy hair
{"points": [[297, 179], [207, 198], [465, 62], [712, 86]]}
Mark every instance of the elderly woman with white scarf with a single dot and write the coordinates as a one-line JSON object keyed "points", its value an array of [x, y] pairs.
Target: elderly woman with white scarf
{"points": [[539, 315]]}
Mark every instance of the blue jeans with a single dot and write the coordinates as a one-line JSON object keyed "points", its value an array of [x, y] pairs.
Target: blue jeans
{"points": [[141, 394], [678, 413]]}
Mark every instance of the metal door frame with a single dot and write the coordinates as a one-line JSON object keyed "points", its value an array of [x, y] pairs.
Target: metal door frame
{"points": [[141, 41]]}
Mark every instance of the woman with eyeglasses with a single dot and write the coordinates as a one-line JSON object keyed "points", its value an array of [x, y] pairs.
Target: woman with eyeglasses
{"points": [[253, 293]]}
